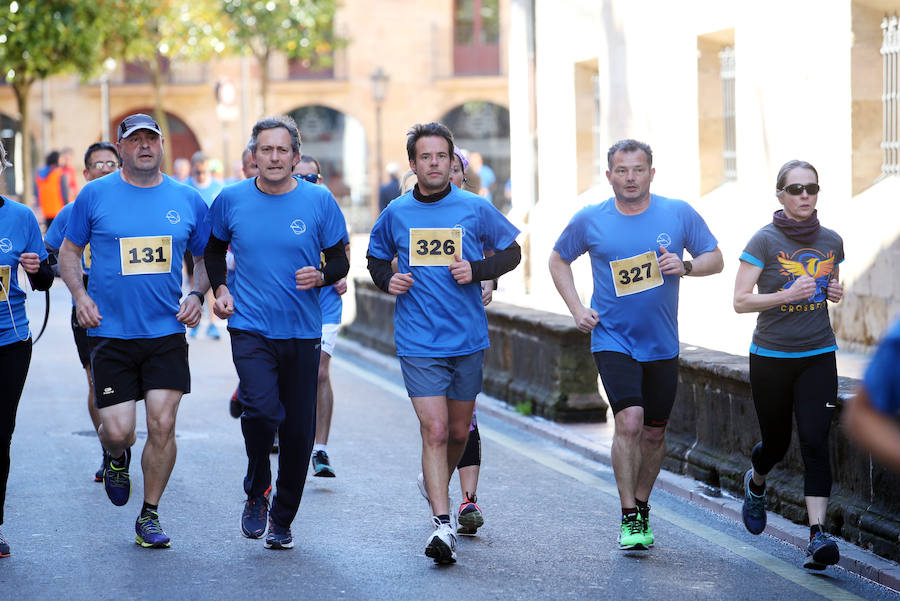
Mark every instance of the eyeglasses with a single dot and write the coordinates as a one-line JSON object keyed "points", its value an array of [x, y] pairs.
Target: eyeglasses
{"points": [[98, 165], [797, 189], [311, 177]]}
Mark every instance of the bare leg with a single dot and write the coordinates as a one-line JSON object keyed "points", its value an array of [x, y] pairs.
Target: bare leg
{"points": [[653, 449], [468, 479], [816, 509], [160, 450], [92, 408], [116, 430], [626, 452], [324, 400]]}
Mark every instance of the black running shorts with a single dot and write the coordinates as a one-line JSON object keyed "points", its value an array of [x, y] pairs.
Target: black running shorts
{"points": [[630, 383]]}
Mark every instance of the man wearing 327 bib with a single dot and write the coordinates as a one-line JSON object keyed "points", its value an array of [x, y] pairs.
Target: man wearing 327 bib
{"points": [[635, 241], [439, 235], [139, 223]]}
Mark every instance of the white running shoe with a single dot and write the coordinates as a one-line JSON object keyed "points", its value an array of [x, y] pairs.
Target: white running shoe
{"points": [[421, 482], [441, 545]]}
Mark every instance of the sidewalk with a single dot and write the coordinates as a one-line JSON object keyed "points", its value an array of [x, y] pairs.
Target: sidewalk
{"points": [[593, 440]]}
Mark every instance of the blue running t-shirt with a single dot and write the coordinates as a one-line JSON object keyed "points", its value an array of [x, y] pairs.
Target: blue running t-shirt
{"points": [[138, 237], [331, 304], [882, 378], [56, 233], [438, 317], [637, 305], [19, 233], [272, 236]]}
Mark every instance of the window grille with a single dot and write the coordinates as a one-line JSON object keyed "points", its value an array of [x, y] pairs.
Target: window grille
{"points": [[729, 151], [890, 99]]}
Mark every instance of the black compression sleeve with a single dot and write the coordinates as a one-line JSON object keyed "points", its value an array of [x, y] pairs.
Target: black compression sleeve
{"points": [[496, 265], [214, 258], [336, 263], [43, 279], [381, 272]]}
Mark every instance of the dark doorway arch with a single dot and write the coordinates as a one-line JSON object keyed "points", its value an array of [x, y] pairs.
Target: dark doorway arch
{"points": [[181, 143], [483, 127], [338, 141]]}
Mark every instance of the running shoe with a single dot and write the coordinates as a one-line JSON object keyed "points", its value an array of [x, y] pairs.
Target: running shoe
{"points": [[441, 545], [644, 516], [253, 519], [213, 332], [98, 475], [4, 546], [821, 552], [754, 509], [116, 480], [420, 482], [631, 536], [194, 331], [278, 537], [321, 465], [274, 449], [469, 517], [234, 405], [149, 534]]}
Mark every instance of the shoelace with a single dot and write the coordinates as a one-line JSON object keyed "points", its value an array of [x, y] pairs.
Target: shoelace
{"points": [[757, 505], [150, 524], [259, 507], [633, 525], [117, 476]]}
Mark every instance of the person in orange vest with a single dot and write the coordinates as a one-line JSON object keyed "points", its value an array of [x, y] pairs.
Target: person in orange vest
{"points": [[51, 186]]}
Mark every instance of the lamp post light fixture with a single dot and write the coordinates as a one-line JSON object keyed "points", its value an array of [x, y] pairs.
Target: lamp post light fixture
{"points": [[379, 91]]}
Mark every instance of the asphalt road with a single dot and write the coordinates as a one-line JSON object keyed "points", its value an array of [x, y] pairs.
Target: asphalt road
{"points": [[551, 516]]}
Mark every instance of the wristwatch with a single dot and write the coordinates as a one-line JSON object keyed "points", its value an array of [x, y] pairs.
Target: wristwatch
{"points": [[198, 295], [688, 266]]}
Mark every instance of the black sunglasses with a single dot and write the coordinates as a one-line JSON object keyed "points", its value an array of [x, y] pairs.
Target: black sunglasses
{"points": [[311, 177], [797, 189]]}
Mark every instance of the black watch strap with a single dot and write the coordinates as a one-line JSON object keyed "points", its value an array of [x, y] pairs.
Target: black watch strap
{"points": [[688, 267], [197, 294]]}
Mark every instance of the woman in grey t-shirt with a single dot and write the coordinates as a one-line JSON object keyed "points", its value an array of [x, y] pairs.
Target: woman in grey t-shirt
{"points": [[793, 264]]}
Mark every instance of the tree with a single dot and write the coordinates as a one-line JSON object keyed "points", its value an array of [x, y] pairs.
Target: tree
{"points": [[40, 38], [302, 29]]}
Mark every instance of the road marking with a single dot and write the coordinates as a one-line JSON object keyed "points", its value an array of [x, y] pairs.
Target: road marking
{"points": [[787, 571]]}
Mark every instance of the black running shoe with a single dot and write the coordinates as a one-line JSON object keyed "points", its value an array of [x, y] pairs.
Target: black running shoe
{"points": [[321, 466], [116, 480]]}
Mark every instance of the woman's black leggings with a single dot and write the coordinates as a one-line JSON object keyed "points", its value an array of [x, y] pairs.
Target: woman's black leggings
{"points": [[14, 361], [806, 388]]}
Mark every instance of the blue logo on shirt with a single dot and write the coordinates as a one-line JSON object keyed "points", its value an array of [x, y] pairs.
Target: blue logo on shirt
{"points": [[6, 245], [298, 227], [664, 240], [173, 216], [461, 229]]}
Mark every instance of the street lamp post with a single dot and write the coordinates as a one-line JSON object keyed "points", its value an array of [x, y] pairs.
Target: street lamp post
{"points": [[379, 90]]}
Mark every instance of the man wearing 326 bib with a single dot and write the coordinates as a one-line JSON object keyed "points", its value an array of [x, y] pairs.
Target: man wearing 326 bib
{"points": [[139, 223], [439, 234], [635, 241]]}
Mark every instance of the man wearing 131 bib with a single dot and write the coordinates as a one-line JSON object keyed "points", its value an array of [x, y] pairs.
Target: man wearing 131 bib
{"points": [[635, 241], [439, 234], [138, 222], [278, 227]]}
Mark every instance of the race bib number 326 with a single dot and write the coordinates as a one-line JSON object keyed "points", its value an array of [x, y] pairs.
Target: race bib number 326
{"points": [[432, 246], [636, 274], [146, 254]]}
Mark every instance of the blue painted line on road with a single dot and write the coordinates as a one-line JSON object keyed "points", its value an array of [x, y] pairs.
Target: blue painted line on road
{"points": [[777, 566]]}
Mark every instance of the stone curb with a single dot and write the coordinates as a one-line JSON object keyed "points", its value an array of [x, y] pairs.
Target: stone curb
{"points": [[853, 559]]}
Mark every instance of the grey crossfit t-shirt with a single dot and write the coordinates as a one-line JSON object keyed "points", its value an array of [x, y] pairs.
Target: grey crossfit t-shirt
{"points": [[802, 328]]}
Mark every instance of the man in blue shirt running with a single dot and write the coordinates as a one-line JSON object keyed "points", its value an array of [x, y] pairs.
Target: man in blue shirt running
{"points": [[635, 240], [279, 227], [138, 222], [439, 235]]}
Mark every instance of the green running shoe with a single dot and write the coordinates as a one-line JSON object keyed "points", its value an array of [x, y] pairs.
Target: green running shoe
{"points": [[631, 537], [644, 517]]}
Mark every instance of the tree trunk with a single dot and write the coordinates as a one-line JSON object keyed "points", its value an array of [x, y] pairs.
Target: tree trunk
{"points": [[159, 111], [21, 89], [264, 81]]}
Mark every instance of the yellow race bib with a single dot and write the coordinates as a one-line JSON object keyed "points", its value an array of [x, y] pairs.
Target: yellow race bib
{"points": [[636, 274], [146, 254], [4, 278], [86, 257], [434, 246]]}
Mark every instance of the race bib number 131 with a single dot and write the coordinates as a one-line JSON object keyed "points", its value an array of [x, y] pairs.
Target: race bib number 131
{"points": [[432, 246], [636, 274], [146, 254]]}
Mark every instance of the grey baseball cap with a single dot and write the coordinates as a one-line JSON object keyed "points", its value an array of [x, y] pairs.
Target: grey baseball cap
{"points": [[132, 123]]}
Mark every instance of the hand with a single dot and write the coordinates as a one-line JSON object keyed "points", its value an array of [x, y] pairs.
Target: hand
{"points": [[802, 289], [30, 261], [461, 270], [87, 313], [224, 305], [487, 292], [400, 283], [669, 263], [308, 277], [340, 286], [586, 319], [191, 311], [835, 291]]}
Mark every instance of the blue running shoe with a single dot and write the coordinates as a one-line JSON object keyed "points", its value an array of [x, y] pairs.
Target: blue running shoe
{"points": [[821, 552], [4, 546], [194, 331], [321, 466], [278, 537], [754, 509], [149, 534], [213, 332], [253, 520], [116, 480]]}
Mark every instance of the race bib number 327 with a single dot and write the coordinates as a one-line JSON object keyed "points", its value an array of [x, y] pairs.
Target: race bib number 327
{"points": [[146, 254], [432, 246], [636, 274]]}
